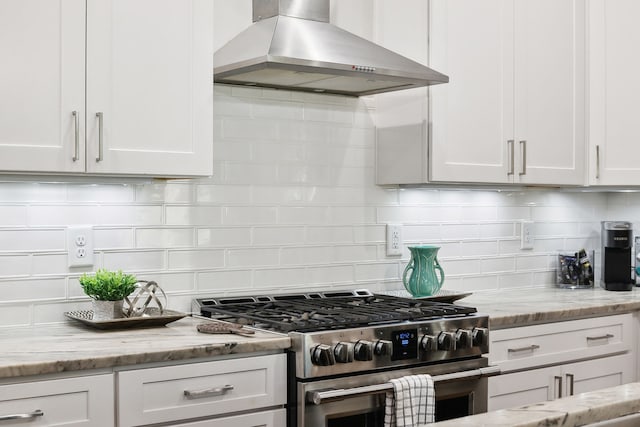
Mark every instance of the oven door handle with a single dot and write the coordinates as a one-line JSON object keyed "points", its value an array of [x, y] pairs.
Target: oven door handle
{"points": [[319, 397]]}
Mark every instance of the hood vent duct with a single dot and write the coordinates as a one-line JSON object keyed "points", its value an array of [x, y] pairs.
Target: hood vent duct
{"points": [[291, 45]]}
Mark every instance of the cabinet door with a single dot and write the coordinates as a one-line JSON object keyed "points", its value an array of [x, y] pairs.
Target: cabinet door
{"points": [[150, 77], [472, 116], [599, 373], [523, 388], [550, 91], [514, 109], [614, 91], [41, 85]]}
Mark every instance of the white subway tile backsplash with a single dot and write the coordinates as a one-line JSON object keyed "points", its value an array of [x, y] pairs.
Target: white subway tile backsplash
{"points": [[113, 238], [164, 237], [380, 271], [329, 274], [193, 215], [291, 205], [222, 237], [135, 261], [222, 281], [277, 235], [39, 289], [15, 315], [13, 215], [104, 193], [308, 255], [12, 192], [252, 257], [32, 240], [196, 259], [15, 265]]}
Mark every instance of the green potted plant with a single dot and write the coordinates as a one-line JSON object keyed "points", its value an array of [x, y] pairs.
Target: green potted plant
{"points": [[107, 290]]}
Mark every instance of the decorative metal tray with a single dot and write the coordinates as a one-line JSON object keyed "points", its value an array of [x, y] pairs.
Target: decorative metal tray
{"points": [[151, 317], [443, 295]]}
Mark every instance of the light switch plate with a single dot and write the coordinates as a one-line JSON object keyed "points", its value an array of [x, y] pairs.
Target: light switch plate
{"points": [[526, 235]]}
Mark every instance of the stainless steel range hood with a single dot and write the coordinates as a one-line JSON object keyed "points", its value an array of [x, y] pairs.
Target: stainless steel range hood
{"points": [[292, 45]]}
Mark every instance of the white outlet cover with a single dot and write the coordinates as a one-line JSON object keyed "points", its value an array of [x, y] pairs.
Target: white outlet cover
{"points": [[80, 246]]}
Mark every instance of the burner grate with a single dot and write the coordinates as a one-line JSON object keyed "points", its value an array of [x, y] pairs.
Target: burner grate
{"points": [[306, 315]]}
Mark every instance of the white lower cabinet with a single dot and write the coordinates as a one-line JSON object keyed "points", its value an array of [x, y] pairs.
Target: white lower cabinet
{"points": [[538, 385], [554, 360], [171, 394], [79, 401]]}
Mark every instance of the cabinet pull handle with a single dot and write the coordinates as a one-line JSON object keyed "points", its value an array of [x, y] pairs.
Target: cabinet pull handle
{"points": [[521, 349], [29, 416], [558, 380], [207, 392], [76, 137], [523, 147], [570, 383], [600, 337], [511, 150], [100, 117], [597, 162]]}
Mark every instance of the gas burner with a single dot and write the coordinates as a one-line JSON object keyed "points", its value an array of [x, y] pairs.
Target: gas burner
{"points": [[301, 314]]}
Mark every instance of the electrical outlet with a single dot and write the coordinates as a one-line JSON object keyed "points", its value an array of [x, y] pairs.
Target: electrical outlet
{"points": [[394, 239], [80, 246], [526, 235]]}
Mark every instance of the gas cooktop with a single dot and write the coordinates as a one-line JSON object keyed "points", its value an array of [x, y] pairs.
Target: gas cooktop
{"points": [[325, 311]]}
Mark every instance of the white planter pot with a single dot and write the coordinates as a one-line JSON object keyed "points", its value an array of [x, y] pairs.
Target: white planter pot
{"points": [[107, 310]]}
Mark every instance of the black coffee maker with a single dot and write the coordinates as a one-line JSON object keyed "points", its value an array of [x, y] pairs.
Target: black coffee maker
{"points": [[617, 240]]}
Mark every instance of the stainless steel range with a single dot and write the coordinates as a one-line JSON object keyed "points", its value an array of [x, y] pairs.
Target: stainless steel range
{"points": [[346, 346]]}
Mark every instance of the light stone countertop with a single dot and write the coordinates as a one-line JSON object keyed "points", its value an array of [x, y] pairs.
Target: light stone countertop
{"points": [[73, 346], [528, 306], [581, 409]]}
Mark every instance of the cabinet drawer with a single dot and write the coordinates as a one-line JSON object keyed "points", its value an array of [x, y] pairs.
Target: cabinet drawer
{"points": [[82, 401], [155, 395], [275, 418], [553, 343]]}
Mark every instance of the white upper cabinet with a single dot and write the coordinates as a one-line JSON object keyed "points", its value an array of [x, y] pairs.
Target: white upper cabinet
{"points": [[147, 107], [513, 111], [614, 91], [42, 46], [150, 76]]}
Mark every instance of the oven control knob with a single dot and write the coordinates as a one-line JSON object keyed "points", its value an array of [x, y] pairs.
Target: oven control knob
{"points": [[446, 341], [463, 338], [363, 350], [383, 348], [343, 352], [480, 337], [429, 343], [322, 355]]}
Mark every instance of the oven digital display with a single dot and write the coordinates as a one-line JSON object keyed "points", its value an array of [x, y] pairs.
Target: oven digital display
{"points": [[405, 344]]}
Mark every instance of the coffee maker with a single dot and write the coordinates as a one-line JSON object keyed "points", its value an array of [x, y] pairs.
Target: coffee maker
{"points": [[617, 240]]}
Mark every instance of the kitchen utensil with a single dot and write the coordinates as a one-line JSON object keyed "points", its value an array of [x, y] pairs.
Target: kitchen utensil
{"points": [[423, 280], [224, 328]]}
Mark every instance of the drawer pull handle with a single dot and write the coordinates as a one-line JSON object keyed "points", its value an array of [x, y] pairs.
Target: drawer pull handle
{"points": [[600, 337], [29, 416], [570, 380], [208, 392], [521, 349]]}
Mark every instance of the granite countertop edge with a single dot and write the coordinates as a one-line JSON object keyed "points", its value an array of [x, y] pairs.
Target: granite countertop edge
{"points": [[69, 347]]}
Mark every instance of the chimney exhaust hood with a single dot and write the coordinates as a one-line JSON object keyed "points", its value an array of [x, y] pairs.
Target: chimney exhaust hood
{"points": [[291, 45]]}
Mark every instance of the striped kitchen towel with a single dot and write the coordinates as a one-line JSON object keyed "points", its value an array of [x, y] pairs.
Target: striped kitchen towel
{"points": [[412, 401]]}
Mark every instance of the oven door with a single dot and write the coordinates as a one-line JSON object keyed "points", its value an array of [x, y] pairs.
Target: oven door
{"points": [[359, 400]]}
